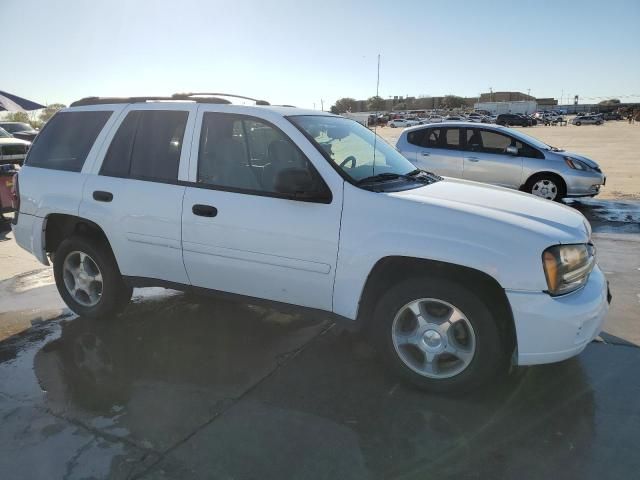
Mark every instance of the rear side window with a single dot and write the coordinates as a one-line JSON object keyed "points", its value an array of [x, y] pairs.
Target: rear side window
{"points": [[147, 146], [65, 141]]}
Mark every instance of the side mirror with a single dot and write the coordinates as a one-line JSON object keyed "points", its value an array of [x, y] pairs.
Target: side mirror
{"points": [[299, 184], [511, 150]]}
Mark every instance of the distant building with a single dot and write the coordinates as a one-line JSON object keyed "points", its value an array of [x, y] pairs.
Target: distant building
{"points": [[546, 103], [514, 102], [505, 97]]}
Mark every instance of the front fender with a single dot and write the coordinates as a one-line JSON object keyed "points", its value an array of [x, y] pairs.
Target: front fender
{"points": [[508, 254]]}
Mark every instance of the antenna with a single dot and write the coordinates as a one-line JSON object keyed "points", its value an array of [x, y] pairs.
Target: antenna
{"points": [[375, 120]]}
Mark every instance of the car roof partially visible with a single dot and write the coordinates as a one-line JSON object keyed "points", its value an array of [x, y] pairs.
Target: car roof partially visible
{"points": [[283, 110], [454, 123]]}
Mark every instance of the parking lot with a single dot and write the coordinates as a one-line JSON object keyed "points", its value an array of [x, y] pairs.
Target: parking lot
{"points": [[182, 387]]}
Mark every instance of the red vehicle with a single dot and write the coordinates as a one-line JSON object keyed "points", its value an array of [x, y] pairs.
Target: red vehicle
{"points": [[7, 173]]}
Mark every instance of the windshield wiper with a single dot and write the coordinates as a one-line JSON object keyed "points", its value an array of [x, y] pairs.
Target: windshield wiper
{"points": [[412, 176], [381, 177], [427, 176]]}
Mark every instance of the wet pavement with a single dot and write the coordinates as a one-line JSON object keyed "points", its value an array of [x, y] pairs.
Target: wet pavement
{"points": [[180, 388]]}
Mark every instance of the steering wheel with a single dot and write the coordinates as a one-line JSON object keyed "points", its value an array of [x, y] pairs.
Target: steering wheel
{"points": [[351, 159]]}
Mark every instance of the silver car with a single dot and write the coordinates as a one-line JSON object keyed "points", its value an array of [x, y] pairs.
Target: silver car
{"points": [[500, 156], [588, 120]]}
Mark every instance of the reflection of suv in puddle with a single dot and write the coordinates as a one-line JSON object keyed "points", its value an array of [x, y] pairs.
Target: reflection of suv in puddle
{"points": [[451, 279]]}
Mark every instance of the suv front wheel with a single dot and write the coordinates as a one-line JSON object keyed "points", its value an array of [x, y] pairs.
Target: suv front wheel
{"points": [[438, 335], [88, 277]]}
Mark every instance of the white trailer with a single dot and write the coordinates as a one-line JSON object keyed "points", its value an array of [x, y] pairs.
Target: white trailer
{"points": [[360, 117], [496, 108]]}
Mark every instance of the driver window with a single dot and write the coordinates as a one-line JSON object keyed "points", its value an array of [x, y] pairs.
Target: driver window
{"points": [[492, 142], [242, 153]]}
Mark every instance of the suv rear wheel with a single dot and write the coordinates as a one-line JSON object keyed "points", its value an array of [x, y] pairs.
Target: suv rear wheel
{"points": [[88, 277], [438, 335]]}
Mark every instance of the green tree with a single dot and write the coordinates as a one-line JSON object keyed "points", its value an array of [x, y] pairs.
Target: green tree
{"points": [[376, 103], [453, 101], [611, 101], [49, 111], [17, 117], [343, 105]]}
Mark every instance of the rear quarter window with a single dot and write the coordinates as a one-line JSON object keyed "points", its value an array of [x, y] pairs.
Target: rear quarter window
{"points": [[65, 141]]}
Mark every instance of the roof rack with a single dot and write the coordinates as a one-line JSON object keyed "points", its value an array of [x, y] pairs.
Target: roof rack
{"points": [[209, 95], [194, 97]]}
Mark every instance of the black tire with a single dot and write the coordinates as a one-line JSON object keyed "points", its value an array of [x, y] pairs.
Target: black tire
{"points": [[557, 181], [598, 122], [115, 293], [490, 356], [577, 124]]}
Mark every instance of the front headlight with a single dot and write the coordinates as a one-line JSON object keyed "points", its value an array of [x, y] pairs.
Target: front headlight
{"points": [[567, 267], [576, 164]]}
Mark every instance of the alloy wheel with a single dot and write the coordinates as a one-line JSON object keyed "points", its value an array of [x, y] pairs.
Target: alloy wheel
{"points": [[82, 278], [433, 338]]}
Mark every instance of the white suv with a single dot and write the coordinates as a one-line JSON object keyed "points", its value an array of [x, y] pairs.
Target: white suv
{"points": [[451, 279]]}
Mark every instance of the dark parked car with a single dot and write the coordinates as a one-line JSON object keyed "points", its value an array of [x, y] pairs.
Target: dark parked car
{"points": [[612, 116], [20, 130], [12, 150], [512, 119]]}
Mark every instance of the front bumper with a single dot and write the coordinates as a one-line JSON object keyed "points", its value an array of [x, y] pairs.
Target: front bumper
{"points": [[585, 184], [551, 329]]}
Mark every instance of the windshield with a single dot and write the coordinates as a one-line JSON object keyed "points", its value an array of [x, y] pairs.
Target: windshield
{"points": [[17, 127], [355, 149], [4, 133]]}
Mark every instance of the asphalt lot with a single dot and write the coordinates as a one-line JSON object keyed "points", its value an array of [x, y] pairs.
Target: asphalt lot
{"points": [[184, 388]]}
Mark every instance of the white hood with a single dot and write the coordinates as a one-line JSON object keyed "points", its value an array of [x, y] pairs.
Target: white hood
{"points": [[553, 220]]}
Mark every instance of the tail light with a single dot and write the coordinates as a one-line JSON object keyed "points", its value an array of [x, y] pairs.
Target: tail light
{"points": [[15, 198]]}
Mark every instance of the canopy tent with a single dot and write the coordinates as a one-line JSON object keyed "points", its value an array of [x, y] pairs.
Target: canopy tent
{"points": [[13, 103]]}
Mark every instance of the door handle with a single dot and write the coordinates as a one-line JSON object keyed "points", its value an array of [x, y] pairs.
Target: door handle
{"points": [[472, 159], [425, 154], [101, 196], [204, 210]]}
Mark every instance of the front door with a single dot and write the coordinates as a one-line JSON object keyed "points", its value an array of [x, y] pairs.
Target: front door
{"points": [[240, 234], [486, 158]]}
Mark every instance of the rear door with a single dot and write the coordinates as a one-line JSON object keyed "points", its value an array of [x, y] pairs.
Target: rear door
{"points": [[134, 194], [486, 159], [439, 151]]}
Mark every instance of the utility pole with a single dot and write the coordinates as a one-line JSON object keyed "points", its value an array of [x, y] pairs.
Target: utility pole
{"points": [[491, 93], [322, 105]]}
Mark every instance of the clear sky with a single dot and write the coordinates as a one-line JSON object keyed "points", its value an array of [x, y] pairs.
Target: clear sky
{"points": [[299, 51]]}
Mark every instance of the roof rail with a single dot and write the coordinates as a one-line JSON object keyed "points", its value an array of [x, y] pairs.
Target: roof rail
{"points": [[193, 97], [190, 96], [110, 100]]}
